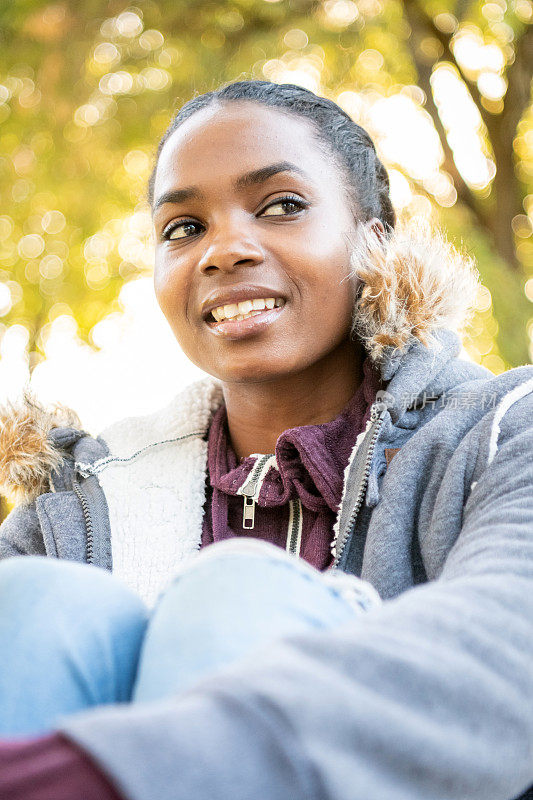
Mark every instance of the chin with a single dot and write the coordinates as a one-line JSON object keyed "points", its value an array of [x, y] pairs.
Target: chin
{"points": [[249, 375], [256, 371]]}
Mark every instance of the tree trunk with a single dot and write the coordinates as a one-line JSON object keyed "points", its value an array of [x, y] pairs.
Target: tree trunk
{"points": [[494, 215]]}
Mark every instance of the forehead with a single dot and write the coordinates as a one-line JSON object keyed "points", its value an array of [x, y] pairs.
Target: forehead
{"points": [[235, 138]]}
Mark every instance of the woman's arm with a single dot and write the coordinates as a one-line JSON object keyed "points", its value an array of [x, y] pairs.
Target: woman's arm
{"points": [[428, 696]]}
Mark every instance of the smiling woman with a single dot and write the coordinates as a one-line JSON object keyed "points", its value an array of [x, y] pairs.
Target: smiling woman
{"points": [[254, 227], [358, 622]]}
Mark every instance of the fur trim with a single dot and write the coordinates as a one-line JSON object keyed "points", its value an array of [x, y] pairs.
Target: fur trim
{"points": [[27, 457], [413, 282]]}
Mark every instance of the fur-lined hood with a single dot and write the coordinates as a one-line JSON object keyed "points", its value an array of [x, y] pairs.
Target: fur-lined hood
{"points": [[414, 282], [28, 455], [409, 285]]}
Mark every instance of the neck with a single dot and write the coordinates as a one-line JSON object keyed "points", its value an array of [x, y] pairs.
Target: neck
{"points": [[258, 413]]}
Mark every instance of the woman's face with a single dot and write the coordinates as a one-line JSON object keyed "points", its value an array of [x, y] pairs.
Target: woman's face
{"points": [[247, 209]]}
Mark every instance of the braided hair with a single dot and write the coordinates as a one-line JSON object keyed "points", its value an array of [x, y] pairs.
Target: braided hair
{"points": [[350, 146]]}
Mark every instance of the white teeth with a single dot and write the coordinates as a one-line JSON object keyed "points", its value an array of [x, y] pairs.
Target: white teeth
{"points": [[249, 314], [246, 308]]}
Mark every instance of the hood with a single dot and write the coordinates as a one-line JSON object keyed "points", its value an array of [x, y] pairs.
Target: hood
{"points": [[412, 283], [32, 439], [414, 297]]}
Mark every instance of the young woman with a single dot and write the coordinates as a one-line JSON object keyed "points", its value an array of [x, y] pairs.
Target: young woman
{"points": [[365, 629]]}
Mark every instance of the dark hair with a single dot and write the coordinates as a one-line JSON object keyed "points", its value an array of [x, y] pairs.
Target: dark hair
{"points": [[350, 146]]}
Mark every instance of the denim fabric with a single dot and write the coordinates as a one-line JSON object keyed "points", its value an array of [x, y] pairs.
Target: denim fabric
{"points": [[72, 635]]}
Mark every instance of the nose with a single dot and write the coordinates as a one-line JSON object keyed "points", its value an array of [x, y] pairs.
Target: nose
{"points": [[229, 246]]}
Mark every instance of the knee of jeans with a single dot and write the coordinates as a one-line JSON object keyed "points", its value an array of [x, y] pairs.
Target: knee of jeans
{"points": [[236, 562], [28, 571], [28, 582], [243, 546], [233, 559]]}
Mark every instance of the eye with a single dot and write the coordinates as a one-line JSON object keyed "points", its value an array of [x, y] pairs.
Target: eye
{"points": [[286, 201], [177, 228]]}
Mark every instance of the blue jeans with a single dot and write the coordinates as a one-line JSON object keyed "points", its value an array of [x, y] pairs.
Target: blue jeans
{"points": [[72, 636]]}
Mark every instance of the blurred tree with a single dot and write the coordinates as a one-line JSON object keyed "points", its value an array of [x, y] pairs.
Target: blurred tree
{"points": [[500, 115], [501, 102], [87, 89]]}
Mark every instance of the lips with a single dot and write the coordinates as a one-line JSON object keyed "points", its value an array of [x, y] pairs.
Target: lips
{"points": [[232, 296], [244, 309], [246, 327]]}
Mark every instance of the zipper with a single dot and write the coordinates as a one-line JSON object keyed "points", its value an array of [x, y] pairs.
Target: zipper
{"points": [[250, 491], [252, 487], [294, 533], [98, 466], [377, 415], [89, 549]]}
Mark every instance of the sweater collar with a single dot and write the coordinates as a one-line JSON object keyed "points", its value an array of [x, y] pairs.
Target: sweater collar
{"points": [[310, 459]]}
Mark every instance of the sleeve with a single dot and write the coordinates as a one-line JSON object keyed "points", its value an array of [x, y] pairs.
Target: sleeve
{"points": [[20, 532], [49, 768], [427, 697]]}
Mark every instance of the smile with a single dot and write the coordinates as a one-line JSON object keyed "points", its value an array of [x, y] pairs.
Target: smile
{"points": [[244, 309], [240, 320]]}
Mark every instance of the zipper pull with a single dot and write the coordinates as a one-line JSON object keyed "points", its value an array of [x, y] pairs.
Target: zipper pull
{"points": [[248, 513], [252, 487], [84, 469], [377, 410]]}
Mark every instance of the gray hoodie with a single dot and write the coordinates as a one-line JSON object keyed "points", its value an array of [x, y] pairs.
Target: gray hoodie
{"points": [[426, 697]]}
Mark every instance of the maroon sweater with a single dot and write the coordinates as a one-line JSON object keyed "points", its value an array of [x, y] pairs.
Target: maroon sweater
{"points": [[311, 460], [50, 768]]}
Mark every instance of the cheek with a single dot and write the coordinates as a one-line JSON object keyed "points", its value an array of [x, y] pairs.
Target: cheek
{"points": [[173, 293], [170, 290], [325, 260], [332, 290], [335, 311], [161, 283]]}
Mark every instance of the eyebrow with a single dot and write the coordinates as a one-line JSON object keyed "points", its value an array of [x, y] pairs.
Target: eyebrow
{"points": [[248, 179]]}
